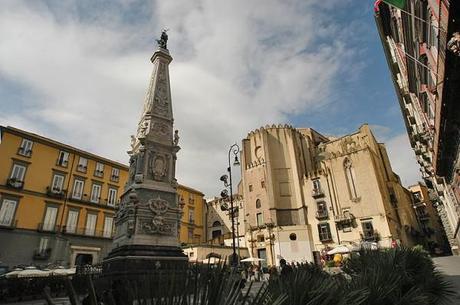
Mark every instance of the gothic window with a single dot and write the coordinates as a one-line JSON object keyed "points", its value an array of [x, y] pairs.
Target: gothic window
{"points": [[216, 224], [351, 178], [258, 204]]}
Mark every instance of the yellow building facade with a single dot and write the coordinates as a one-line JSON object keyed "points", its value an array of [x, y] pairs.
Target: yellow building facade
{"points": [[192, 230], [58, 203]]}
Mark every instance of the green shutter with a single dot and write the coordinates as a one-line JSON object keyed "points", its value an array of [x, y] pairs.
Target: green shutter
{"points": [[398, 3]]}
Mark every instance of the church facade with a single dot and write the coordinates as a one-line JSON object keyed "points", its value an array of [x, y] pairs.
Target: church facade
{"points": [[305, 193]]}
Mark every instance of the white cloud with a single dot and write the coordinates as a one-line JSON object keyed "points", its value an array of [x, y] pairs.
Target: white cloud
{"points": [[403, 159], [237, 65]]}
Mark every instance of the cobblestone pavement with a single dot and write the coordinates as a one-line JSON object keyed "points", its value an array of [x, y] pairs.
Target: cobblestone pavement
{"points": [[450, 266]]}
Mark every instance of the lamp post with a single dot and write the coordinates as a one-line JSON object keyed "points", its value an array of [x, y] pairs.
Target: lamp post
{"points": [[227, 180]]}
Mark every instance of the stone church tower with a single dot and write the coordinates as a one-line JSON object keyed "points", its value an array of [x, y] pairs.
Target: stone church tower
{"points": [[149, 216]]}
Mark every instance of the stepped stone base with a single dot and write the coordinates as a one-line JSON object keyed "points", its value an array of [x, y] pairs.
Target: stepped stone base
{"points": [[140, 259]]}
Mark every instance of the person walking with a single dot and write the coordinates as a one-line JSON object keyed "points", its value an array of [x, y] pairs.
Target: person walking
{"points": [[286, 270]]}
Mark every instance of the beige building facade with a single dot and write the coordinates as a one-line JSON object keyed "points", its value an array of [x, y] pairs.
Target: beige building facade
{"points": [[430, 223], [219, 222], [305, 192]]}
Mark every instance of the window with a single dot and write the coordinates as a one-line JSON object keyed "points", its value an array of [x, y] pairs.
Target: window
{"points": [[321, 209], [26, 148], [43, 245], [108, 226], [191, 216], [115, 174], [78, 189], [316, 185], [250, 187], [262, 184], [292, 236], [260, 219], [258, 204], [58, 181], [99, 172], [191, 254], [351, 178], [112, 197], [72, 220], [190, 235], [82, 164], [95, 193], [324, 232], [368, 230], [7, 212], [18, 173], [91, 220], [260, 238], [49, 221], [63, 158], [191, 200]]}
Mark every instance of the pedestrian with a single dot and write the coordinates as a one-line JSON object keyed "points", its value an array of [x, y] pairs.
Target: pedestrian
{"points": [[257, 273], [286, 270]]}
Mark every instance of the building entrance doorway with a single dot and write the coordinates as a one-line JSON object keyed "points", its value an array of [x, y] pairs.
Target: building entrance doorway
{"points": [[83, 259], [262, 253]]}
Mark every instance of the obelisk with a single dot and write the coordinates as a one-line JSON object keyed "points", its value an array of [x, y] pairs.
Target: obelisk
{"points": [[148, 219]]}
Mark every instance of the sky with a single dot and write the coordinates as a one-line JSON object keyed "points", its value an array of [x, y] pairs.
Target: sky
{"points": [[77, 72]]}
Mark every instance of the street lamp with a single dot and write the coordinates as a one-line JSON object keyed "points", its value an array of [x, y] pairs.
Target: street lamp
{"points": [[227, 180]]}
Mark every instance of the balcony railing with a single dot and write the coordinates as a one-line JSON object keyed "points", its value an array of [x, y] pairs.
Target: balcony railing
{"points": [[115, 178], [325, 236], [83, 231], [98, 173], [9, 225], [15, 183], [82, 168], [47, 227], [55, 192], [322, 215], [348, 217], [317, 193], [370, 236], [24, 152]]}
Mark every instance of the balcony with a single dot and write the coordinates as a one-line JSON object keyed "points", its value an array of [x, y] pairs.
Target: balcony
{"points": [[316, 193], [55, 192], [344, 218], [15, 183], [42, 254], [114, 178], [325, 236], [9, 225], [322, 214], [99, 173], [371, 235], [82, 168], [24, 152], [47, 227], [83, 231]]}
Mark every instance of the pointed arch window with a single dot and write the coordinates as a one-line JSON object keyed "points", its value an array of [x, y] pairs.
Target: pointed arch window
{"points": [[351, 178]]}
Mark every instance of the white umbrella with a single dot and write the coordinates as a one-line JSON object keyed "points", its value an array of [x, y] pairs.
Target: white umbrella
{"points": [[13, 273], [62, 271], [32, 272], [339, 250], [252, 259]]}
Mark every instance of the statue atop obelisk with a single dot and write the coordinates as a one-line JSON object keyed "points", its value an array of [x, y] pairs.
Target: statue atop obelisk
{"points": [[149, 216]]}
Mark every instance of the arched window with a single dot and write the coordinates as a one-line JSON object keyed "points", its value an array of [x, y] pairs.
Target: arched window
{"points": [[351, 178], [258, 204], [216, 224]]}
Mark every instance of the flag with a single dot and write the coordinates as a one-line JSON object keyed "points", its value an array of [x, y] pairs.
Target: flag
{"points": [[396, 3]]}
